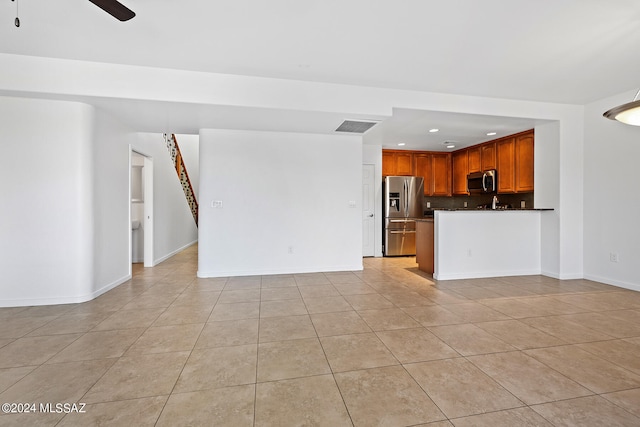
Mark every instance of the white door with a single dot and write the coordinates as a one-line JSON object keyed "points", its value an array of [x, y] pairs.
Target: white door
{"points": [[368, 210], [148, 212]]}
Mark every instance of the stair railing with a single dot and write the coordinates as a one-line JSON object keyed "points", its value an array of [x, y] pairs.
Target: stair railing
{"points": [[185, 182]]}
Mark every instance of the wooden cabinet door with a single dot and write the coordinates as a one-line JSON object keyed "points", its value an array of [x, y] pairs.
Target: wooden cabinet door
{"points": [[506, 165], [475, 161], [398, 163], [388, 164], [404, 164], [460, 162], [489, 156], [423, 168], [441, 164], [524, 163]]}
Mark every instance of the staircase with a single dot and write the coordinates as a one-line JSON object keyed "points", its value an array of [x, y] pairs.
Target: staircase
{"points": [[176, 157]]}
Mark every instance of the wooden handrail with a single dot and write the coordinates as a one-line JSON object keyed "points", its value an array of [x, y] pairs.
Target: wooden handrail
{"points": [[183, 176]]}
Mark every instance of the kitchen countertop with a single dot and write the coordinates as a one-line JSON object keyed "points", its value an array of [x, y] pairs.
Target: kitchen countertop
{"points": [[488, 210]]}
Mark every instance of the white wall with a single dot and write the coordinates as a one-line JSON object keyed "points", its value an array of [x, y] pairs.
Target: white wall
{"points": [[547, 194], [279, 190], [611, 202], [471, 244], [174, 227], [571, 186], [111, 204], [65, 211], [166, 87], [46, 217]]}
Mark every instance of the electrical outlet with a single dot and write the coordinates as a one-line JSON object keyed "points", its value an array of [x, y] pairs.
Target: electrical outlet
{"points": [[613, 257], [216, 204], [465, 204], [290, 250]]}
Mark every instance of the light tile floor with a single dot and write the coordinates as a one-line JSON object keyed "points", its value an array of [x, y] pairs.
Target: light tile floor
{"points": [[385, 346]]}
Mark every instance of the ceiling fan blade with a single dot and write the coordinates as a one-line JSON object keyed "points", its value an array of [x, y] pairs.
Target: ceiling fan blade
{"points": [[115, 9]]}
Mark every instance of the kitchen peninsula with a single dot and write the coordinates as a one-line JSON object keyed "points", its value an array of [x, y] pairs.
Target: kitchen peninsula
{"points": [[468, 243]]}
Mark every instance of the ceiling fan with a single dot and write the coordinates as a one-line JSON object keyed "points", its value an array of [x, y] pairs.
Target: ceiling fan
{"points": [[115, 9], [112, 7]]}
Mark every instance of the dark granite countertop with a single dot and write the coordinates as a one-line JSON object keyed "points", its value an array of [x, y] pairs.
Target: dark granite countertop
{"points": [[429, 213]]}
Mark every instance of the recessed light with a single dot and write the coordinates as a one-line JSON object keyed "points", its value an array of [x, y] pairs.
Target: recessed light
{"points": [[433, 130], [491, 133], [449, 144], [401, 144]]}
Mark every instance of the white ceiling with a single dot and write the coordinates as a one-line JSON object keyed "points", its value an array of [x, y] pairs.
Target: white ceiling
{"points": [[412, 128], [563, 51]]}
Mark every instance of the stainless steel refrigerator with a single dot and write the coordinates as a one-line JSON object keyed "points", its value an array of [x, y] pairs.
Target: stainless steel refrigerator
{"points": [[403, 197]]}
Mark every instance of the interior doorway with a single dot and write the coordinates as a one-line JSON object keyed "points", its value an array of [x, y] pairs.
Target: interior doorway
{"points": [[368, 210], [141, 213]]}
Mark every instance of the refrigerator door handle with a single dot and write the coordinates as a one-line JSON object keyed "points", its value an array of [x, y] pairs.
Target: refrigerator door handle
{"points": [[402, 232], [406, 198]]}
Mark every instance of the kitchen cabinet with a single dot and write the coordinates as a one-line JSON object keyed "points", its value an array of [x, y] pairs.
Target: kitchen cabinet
{"points": [[445, 174], [397, 163], [423, 168], [441, 174], [460, 161], [506, 158], [388, 164], [424, 245], [434, 167], [488, 156], [524, 163], [515, 163], [404, 164], [474, 155]]}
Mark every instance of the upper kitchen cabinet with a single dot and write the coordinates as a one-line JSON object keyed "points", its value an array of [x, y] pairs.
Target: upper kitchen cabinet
{"points": [[388, 164], [506, 156], [524, 163], [488, 156], [397, 163], [515, 163], [474, 155], [435, 168], [445, 174], [460, 160], [441, 174], [424, 168]]}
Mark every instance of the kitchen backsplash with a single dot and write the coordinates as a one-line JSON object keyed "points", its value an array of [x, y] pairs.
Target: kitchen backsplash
{"points": [[480, 199]]}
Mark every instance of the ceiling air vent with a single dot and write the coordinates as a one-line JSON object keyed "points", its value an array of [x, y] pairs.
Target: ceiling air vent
{"points": [[356, 126]]}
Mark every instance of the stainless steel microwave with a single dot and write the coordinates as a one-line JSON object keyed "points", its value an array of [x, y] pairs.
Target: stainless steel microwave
{"points": [[482, 182]]}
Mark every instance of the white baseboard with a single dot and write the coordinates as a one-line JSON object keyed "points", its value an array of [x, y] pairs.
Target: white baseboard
{"points": [[169, 255], [552, 274], [81, 298], [64, 299], [617, 283], [485, 274], [267, 272], [573, 276]]}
